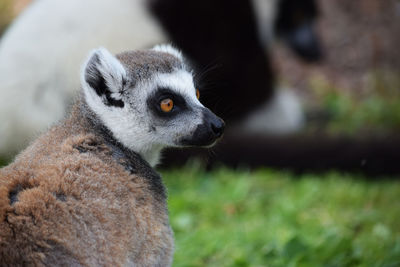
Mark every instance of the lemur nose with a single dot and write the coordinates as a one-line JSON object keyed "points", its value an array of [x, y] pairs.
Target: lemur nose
{"points": [[218, 127]]}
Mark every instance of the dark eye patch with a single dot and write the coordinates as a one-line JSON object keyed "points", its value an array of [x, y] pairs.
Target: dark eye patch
{"points": [[154, 101]]}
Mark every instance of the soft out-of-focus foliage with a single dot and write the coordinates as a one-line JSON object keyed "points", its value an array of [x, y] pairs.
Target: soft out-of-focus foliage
{"points": [[6, 14], [3, 162], [358, 79], [269, 218], [375, 110]]}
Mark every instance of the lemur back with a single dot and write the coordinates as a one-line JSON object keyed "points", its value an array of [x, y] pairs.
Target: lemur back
{"points": [[85, 192]]}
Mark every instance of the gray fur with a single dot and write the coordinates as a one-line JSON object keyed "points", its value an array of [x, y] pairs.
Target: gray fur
{"points": [[142, 65]]}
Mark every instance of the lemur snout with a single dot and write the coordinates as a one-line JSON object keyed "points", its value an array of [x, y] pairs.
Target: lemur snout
{"points": [[215, 126], [218, 127], [207, 132]]}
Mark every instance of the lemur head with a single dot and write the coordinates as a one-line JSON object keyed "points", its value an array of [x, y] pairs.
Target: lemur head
{"points": [[148, 100]]}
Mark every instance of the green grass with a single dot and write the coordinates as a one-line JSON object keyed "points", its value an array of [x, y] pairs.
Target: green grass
{"points": [[271, 218]]}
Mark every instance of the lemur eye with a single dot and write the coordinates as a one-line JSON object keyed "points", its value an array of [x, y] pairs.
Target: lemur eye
{"points": [[166, 104], [197, 93]]}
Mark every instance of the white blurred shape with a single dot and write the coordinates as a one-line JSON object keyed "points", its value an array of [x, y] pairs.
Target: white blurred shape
{"points": [[282, 114]]}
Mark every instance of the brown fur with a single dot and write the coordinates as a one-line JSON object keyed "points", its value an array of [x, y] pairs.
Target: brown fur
{"points": [[72, 198]]}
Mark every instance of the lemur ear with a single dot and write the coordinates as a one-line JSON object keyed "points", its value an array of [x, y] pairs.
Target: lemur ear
{"points": [[167, 48], [104, 74]]}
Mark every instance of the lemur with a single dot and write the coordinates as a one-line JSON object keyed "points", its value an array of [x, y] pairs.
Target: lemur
{"points": [[85, 192]]}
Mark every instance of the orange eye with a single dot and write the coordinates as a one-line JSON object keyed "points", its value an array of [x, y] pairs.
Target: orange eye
{"points": [[166, 105], [197, 93]]}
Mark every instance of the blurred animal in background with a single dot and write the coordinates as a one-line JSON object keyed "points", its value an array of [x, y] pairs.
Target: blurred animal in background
{"points": [[295, 23], [226, 41], [95, 199], [41, 52]]}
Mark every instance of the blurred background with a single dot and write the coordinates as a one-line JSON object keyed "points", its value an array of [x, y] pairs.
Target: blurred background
{"points": [[308, 171]]}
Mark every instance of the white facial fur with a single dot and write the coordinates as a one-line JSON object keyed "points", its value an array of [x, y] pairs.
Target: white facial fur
{"points": [[134, 124]]}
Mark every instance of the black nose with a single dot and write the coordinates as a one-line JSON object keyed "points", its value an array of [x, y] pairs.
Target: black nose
{"points": [[207, 132], [218, 127]]}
